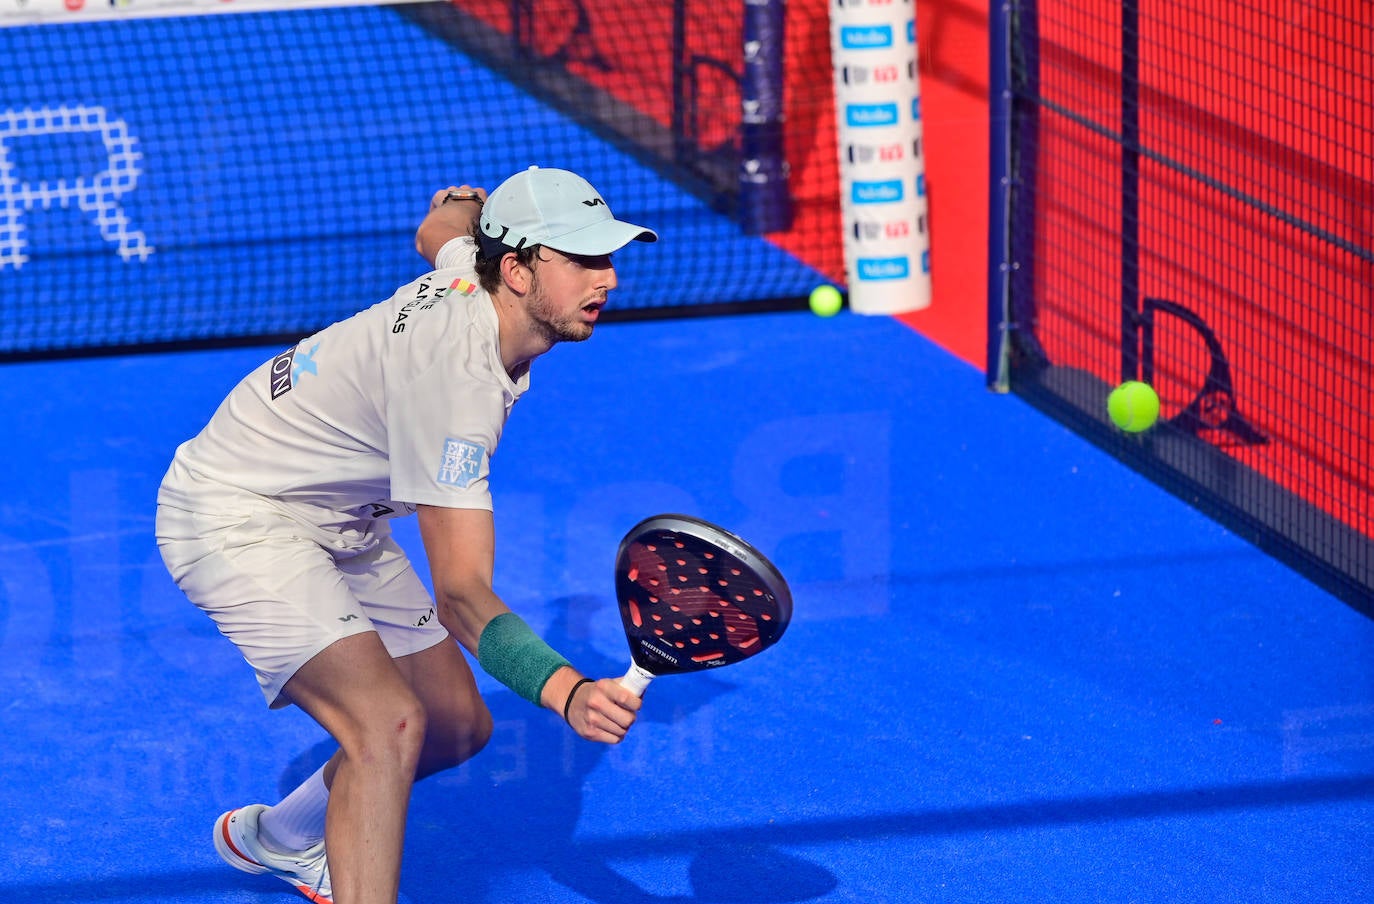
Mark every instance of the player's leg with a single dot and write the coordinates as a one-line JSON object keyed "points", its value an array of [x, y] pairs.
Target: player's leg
{"points": [[457, 726], [355, 691], [401, 610], [280, 598], [458, 723]]}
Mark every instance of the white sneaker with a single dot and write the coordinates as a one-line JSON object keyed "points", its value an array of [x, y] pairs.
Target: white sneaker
{"points": [[236, 840]]}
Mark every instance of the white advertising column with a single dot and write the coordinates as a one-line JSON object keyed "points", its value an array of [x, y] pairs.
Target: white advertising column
{"points": [[882, 171]]}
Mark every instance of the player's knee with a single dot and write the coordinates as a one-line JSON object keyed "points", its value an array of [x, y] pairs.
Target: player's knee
{"points": [[395, 733], [456, 740], [409, 727]]}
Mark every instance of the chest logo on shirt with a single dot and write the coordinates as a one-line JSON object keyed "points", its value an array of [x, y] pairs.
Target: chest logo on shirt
{"points": [[461, 462], [287, 368]]}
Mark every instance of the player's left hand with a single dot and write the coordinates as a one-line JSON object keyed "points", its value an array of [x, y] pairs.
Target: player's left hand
{"points": [[446, 220], [441, 195]]}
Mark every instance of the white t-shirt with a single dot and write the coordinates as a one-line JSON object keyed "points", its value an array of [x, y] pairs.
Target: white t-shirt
{"points": [[400, 404]]}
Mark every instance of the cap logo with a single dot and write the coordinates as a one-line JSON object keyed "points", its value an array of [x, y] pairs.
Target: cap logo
{"points": [[594, 201], [500, 238]]}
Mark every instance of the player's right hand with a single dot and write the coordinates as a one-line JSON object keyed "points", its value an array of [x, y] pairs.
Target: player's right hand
{"points": [[603, 711]]}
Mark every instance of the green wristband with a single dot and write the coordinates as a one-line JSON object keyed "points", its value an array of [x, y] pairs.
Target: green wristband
{"points": [[515, 656]]}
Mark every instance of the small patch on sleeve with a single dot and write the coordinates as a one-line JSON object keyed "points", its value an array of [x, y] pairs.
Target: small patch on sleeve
{"points": [[461, 462], [462, 287]]}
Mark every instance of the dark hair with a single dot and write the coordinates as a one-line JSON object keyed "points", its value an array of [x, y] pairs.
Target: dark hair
{"points": [[489, 268]]}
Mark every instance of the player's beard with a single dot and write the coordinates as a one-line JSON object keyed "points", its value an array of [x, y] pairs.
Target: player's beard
{"points": [[555, 325]]}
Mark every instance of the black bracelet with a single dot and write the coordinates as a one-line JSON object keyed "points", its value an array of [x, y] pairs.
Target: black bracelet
{"points": [[567, 707]]}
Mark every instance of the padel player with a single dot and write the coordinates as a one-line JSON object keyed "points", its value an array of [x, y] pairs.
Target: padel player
{"points": [[274, 521]]}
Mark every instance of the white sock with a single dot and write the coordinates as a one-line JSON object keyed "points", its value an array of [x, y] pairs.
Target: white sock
{"points": [[297, 823]]}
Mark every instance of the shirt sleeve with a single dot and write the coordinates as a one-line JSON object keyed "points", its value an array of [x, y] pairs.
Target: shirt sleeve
{"points": [[457, 253], [444, 429]]}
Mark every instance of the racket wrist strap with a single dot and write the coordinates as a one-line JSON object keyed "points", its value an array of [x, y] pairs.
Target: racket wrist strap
{"points": [[509, 651]]}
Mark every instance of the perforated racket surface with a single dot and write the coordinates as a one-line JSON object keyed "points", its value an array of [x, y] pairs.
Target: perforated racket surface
{"points": [[694, 596]]}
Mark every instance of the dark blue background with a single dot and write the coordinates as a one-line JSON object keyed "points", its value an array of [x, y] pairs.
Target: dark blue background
{"points": [[286, 159]]}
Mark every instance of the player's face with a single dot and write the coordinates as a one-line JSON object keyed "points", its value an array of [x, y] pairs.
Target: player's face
{"points": [[568, 292]]}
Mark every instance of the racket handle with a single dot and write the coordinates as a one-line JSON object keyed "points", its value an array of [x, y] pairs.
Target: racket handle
{"points": [[636, 680]]}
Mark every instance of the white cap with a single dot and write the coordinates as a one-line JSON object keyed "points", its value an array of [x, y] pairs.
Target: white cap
{"points": [[555, 208]]}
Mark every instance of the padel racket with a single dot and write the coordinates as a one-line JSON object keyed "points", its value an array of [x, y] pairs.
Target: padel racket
{"points": [[694, 596]]}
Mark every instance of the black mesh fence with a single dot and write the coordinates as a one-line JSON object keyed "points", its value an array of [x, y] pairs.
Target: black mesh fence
{"points": [[1184, 198]]}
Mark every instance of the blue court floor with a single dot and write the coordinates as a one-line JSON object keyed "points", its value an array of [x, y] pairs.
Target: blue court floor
{"points": [[1017, 673]]}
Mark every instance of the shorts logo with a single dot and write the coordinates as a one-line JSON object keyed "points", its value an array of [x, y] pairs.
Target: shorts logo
{"points": [[462, 462]]}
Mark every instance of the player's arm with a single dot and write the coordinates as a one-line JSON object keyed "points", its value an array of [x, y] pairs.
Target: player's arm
{"points": [[448, 217], [461, 547]]}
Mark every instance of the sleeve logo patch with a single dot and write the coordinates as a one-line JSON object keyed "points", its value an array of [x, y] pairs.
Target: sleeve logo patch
{"points": [[287, 368], [461, 463], [462, 287]]}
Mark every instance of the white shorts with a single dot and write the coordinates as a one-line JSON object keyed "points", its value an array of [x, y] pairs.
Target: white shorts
{"points": [[282, 597]]}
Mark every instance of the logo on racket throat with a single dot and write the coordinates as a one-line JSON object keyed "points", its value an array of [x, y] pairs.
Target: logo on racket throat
{"points": [[654, 650]]}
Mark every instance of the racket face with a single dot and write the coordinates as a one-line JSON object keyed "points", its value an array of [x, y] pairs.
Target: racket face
{"points": [[694, 596]]}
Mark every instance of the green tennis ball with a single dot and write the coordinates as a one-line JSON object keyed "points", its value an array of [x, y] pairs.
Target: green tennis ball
{"points": [[1133, 406], [825, 300]]}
